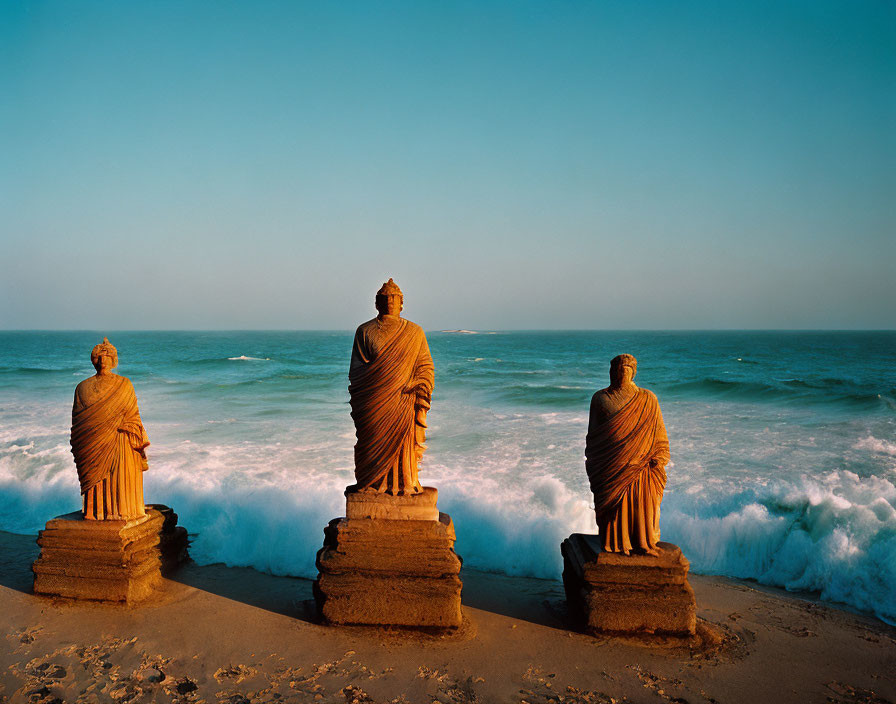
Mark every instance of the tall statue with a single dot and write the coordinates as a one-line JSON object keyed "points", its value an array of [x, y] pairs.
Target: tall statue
{"points": [[626, 453], [391, 380], [108, 441]]}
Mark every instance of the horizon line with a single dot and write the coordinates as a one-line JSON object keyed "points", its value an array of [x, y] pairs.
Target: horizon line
{"points": [[458, 331]]}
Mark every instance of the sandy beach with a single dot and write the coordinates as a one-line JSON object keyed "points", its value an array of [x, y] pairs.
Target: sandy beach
{"points": [[234, 635]]}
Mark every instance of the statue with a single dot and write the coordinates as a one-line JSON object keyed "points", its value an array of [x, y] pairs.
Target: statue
{"points": [[108, 441], [609, 590], [390, 560], [626, 452], [391, 379]]}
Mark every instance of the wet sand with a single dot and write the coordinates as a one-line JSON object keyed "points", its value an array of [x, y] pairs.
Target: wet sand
{"points": [[234, 635]]}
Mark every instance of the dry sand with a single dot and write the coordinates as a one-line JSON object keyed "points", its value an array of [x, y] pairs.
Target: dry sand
{"points": [[231, 635]]}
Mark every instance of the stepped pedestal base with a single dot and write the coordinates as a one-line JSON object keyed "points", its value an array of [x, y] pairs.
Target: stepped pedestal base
{"points": [[117, 561], [390, 570], [628, 595]]}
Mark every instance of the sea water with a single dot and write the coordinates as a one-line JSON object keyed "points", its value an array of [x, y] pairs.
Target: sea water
{"points": [[783, 445]]}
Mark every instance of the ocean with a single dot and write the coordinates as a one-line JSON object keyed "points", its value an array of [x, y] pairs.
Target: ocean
{"points": [[783, 445]]}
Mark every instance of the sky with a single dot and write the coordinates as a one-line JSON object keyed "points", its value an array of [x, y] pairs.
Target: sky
{"points": [[513, 165]]}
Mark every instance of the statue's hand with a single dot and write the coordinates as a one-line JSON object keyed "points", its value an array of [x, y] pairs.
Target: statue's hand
{"points": [[418, 387]]}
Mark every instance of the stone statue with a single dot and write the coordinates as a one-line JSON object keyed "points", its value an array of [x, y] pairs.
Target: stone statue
{"points": [[626, 452], [108, 441], [391, 380]]}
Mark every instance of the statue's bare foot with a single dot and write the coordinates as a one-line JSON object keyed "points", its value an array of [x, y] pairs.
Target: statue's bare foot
{"points": [[652, 551]]}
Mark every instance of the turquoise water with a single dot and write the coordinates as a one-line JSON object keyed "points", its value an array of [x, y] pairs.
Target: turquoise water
{"points": [[783, 445]]}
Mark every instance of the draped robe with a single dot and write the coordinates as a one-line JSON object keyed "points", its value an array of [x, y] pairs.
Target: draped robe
{"points": [[108, 442], [390, 357], [625, 456]]}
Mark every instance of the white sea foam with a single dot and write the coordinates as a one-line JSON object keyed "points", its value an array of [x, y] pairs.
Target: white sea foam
{"points": [[875, 445], [37, 482], [243, 357]]}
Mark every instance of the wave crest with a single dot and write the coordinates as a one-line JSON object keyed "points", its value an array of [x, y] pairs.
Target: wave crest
{"points": [[823, 391], [834, 535]]}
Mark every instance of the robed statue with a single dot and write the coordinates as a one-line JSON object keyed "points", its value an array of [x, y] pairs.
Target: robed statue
{"points": [[391, 380], [626, 453], [108, 441]]}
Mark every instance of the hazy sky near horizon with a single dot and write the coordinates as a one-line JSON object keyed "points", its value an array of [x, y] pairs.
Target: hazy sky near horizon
{"points": [[238, 165]]}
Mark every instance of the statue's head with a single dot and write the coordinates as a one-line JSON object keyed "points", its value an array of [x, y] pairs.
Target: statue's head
{"points": [[389, 299], [104, 355], [623, 368]]}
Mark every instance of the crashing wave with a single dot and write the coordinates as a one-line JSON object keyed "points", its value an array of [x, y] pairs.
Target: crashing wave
{"points": [[833, 534]]}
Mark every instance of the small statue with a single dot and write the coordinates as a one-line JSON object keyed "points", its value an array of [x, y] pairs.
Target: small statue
{"points": [[108, 441], [391, 380], [626, 452]]}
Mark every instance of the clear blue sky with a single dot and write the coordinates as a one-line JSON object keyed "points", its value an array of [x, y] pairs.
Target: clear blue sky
{"points": [[511, 165]]}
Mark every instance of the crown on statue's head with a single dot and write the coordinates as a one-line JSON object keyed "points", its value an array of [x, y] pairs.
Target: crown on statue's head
{"points": [[390, 288], [105, 347]]}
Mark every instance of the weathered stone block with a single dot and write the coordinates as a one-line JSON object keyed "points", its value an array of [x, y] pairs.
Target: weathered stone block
{"points": [[121, 561], [400, 572], [373, 504], [390, 599], [173, 540], [635, 594]]}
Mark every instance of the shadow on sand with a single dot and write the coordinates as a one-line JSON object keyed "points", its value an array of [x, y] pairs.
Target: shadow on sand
{"points": [[538, 601], [287, 596]]}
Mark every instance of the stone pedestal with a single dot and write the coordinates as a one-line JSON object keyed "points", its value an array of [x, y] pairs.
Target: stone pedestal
{"points": [[390, 562], [372, 504], [118, 561], [628, 595]]}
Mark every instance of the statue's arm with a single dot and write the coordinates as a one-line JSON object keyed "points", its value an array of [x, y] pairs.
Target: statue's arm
{"points": [[660, 456], [423, 380], [359, 357], [426, 370], [597, 414], [78, 403], [132, 426]]}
